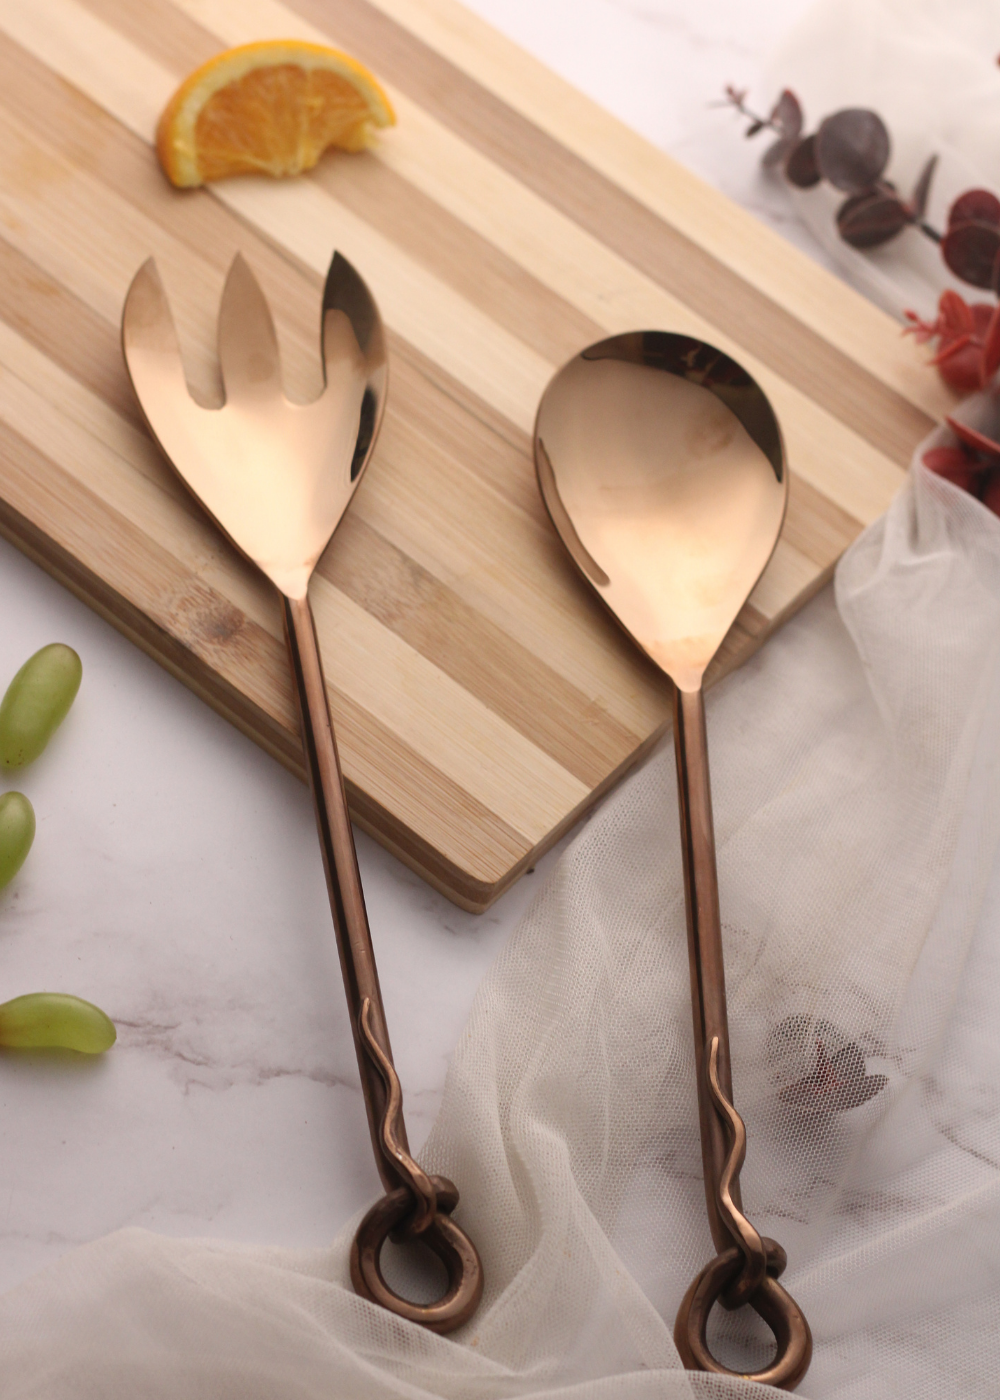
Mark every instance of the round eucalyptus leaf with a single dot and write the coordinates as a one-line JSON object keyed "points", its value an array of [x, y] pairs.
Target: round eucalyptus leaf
{"points": [[800, 167], [972, 251], [975, 206], [871, 218], [852, 149]]}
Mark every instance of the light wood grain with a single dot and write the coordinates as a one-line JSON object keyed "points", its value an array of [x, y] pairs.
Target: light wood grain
{"points": [[483, 699]]}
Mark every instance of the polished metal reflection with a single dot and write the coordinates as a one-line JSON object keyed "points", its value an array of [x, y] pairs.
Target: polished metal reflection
{"points": [[662, 466], [664, 458], [277, 478]]}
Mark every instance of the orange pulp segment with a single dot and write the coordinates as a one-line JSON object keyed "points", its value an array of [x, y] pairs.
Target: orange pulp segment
{"points": [[272, 107]]}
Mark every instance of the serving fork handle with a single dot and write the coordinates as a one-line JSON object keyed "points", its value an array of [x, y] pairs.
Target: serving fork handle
{"points": [[415, 1204]]}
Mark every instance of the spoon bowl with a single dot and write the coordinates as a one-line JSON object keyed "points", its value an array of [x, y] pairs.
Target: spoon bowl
{"points": [[661, 463]]}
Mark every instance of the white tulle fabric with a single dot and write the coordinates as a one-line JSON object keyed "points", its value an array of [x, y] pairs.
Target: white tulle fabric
{"points": [[856, 768]]}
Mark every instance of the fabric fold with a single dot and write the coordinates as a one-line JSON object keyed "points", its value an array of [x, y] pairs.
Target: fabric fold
{"points": [[855, 764]]}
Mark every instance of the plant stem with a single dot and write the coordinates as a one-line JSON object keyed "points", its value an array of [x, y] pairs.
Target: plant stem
{"points": [[735, 99]]}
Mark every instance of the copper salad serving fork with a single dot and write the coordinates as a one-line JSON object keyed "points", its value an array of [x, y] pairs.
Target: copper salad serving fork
{"points": [[277, 478]]}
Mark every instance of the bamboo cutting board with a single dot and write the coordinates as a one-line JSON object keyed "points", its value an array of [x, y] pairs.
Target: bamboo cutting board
{"points": [[482, 699]]}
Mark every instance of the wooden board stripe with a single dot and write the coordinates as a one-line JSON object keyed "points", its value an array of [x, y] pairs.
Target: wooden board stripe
{"points": [[762, 259], [863, 468], [482, 698], [623, 222]]}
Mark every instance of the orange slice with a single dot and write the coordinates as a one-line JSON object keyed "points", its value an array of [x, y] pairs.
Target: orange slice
{"points": [[272, 107]]}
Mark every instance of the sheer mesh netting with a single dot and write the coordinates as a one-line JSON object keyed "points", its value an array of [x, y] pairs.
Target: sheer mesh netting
{"points": [[855, 766]]}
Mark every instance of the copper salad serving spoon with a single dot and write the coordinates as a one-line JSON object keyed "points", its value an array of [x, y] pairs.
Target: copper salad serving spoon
{"points": [[277, 477], [662, 466]]}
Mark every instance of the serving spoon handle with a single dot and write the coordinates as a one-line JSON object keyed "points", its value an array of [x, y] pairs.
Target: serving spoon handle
{"points": [[704, 927], [415, 1204], [747, 1266]]}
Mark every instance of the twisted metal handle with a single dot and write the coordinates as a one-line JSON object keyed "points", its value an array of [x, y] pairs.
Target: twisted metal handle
{"points": [[746, 1268], [421, 1208], [415, 1204], [391, 1131], [744, 1234], [746, 1273]]}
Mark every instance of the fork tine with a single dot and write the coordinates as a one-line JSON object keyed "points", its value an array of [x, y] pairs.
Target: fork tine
{"points": [[353, 338], [149, 340], [248, 346], [345, 291]]}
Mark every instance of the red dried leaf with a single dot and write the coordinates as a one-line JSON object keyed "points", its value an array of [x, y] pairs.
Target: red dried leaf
{"points": [[921, 330], [946, 459], [991, 492], [954, 465], [991, 348], [955, 313], [950, 348], [960, 371], [975, 206], [852, 149], [973, 438], [962, 333], [982, 314]]}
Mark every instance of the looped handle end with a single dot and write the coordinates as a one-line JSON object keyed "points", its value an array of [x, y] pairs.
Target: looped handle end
{"points": [[448, 1241], [769, 1300], [419, 1209]]}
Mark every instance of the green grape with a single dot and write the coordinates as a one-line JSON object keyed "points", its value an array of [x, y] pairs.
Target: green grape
{"points": [[53, 1019], [17, 831], [36, 703]]}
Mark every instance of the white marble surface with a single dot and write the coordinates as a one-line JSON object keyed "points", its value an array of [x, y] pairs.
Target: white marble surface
{"points": [[662, 67], [175, 878]]}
